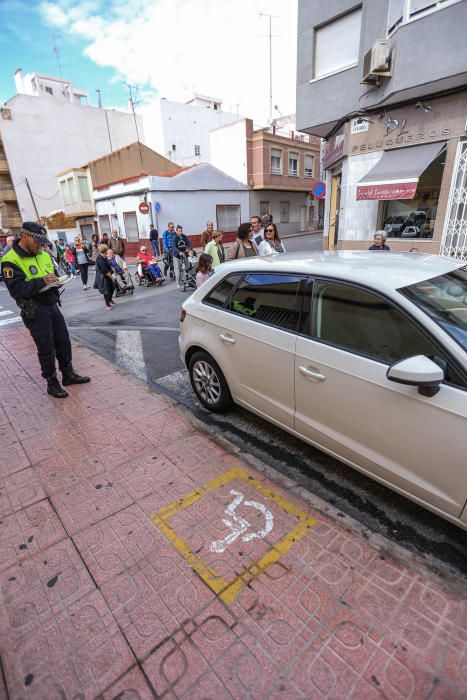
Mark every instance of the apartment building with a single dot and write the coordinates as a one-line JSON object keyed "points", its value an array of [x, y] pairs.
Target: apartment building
{"points": [[384, 83], [279, 167], [47, 127]]}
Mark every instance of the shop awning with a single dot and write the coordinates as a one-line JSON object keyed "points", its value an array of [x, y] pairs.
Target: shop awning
{"points": [[396, 174]]}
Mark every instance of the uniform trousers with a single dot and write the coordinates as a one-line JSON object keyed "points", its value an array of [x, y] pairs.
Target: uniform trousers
{"points": [[50, 335]]}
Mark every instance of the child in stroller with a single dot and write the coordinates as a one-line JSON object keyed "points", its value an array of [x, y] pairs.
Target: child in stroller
{"points": [[121, 277], [148, 270], [188, 263]]}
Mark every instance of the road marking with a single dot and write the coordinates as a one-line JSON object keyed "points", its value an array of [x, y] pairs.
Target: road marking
{"points": [[104, 327], [129, 353], [177, 382], [227, 591], [239, 525], [5, 313], [9, 321]]}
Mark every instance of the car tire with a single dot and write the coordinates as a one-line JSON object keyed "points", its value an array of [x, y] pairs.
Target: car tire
{"points": [[209, 383]]}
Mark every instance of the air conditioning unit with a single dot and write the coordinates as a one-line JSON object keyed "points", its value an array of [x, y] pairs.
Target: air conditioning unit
{"points": [[377, 62]]}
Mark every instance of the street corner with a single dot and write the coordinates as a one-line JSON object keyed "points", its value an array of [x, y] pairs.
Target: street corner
{"points": [[232, 529]]}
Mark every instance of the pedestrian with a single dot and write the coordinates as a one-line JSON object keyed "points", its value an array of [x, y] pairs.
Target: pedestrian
{"points": [[94, 248], [379, 241], [10, 239], [180, 246], [105, 239], [28, 271], [204, 269], [206, 236], [81, 253], [272, 242], [215, 249], [147, 262], [117, 243], [104, 280], [244, 246], [154, 238], [258, 231], [167, 236], [69, 256], [121, 276], [59, 249]]}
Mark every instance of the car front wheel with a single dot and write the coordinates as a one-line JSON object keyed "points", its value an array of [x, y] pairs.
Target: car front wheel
{"points": [[209, 383]]}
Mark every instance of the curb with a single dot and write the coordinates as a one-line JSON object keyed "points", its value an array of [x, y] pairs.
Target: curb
{"points": [[422, 564]]}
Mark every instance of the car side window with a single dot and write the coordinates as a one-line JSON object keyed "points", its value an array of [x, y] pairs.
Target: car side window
{"points": [[269, 298], [221, 292], [360, 321]]}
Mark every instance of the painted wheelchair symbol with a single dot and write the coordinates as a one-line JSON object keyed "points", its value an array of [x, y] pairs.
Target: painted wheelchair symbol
{"points": [[239, 526]]}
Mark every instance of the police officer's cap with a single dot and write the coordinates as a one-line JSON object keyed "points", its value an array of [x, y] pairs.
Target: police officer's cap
{"points": [[36, 231]]}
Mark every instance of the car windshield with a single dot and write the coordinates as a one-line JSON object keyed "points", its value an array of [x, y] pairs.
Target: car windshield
{"points": [[444, 299]]}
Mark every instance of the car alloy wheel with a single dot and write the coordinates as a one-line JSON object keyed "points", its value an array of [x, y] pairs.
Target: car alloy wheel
{"points": [[209, 383]]}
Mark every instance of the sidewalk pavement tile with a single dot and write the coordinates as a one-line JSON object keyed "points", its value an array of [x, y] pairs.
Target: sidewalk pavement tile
{"points": [[133, 686], [20, 490], [12, 459], [28, 532]]}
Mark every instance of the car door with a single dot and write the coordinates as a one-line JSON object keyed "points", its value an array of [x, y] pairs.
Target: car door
{"points": [[345, 403], [254, 342]]}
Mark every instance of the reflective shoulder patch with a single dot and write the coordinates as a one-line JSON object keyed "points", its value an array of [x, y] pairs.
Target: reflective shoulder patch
{"points": [[8, 273]]}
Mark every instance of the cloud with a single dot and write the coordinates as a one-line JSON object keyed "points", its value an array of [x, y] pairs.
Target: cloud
{"points": [[214, 47]]}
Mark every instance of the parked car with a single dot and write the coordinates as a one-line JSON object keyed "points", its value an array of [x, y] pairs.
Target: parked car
{"points": [[362, 356]]}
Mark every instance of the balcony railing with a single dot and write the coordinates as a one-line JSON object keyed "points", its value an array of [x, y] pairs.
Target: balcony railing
{"points": [[7, 193], [11, 221], [4, 168]]}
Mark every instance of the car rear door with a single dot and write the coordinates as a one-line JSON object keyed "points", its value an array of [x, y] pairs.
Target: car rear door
{"points": [[345, 403], [254, 342]]}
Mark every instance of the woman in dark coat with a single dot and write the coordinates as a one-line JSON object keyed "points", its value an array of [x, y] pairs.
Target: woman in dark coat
{"points": [[104, 282]]}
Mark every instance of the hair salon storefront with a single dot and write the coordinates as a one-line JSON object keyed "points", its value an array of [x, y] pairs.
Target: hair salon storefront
{"points": [[405, 171]]}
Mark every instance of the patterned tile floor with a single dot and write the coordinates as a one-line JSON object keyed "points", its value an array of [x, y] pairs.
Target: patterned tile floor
{"points": [[132, 567]]}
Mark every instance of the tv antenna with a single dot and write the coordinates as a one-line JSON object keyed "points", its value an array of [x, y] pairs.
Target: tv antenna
{"points": [[56, 51], [132, 103], [271, 17]]}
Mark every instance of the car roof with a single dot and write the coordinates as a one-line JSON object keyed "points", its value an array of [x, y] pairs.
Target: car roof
{"points": [[388, 270]]}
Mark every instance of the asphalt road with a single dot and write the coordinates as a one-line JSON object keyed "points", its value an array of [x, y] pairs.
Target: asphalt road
{"points": [[140, 335]]}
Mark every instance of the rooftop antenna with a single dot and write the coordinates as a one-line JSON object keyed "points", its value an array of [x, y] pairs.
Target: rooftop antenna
{"points": [[99, 102], [56, 51], [271, 17], [132, 103]]}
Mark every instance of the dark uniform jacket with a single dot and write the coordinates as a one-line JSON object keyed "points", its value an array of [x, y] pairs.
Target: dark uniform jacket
{"points": [[25, 281]]}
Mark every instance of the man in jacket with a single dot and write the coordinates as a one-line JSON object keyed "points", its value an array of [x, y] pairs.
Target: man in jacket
{"points": [[167, 237], [154, 238], [117, 244], [28, 271], [180, 246]]}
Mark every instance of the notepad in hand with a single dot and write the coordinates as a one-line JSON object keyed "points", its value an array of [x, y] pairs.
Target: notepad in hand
{"points": [[60, 280]]}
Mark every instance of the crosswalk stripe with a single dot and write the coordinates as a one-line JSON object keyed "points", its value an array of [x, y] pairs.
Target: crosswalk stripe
{"points": [[5, 313], [129, 353], [9, 321]]}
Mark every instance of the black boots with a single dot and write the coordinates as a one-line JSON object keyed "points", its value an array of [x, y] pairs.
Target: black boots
{"points": [[69, 376], [55, 389]]}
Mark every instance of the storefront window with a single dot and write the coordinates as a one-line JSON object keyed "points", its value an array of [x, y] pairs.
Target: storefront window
{"points": [[415, 218]]}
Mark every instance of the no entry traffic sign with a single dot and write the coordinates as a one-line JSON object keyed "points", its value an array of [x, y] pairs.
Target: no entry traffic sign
{"points": [[319, 189], [144, 208]]}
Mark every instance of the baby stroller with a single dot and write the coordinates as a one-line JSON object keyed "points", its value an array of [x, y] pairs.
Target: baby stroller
{"points": [[144, 278], [187, 278], [122, 286], [168, 264]]}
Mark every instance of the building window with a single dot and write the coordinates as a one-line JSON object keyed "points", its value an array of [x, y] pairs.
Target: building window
{"points": [[174, 147], [415, 218], [309, 162], [293, 164], [264, 209], [276, 161], [104, 224], [401, 11], [284, 212], [197, 150], [72, 188], [49, 90], [337, 44], [65, 193], [84, 189], [216, 106], [228, 217], [130, 224]]}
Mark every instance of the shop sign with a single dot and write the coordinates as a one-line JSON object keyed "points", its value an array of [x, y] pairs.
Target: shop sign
{"points": [[333, 151], [357, 126], [397, 190], [402, 139]]}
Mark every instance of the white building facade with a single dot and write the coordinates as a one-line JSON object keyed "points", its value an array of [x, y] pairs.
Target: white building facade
{"points": [[180, 131], [44, 133]]}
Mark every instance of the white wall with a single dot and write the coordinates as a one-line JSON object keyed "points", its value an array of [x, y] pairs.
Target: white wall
{"points": [[47, 136], [296, 201], [167, 123], [115, 204], [228, 146]]}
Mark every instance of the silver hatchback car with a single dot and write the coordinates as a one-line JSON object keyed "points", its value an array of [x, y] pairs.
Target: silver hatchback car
{"points": [[363, 355]]}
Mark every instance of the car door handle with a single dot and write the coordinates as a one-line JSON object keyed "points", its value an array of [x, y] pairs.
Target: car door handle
{"points": [[312, 374], [227, 339]]}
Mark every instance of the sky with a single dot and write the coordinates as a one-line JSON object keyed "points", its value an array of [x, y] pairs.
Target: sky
{"points": [[167, 48]]}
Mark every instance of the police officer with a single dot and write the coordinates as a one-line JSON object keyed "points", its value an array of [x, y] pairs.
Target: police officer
{"points": [[27, 269]]}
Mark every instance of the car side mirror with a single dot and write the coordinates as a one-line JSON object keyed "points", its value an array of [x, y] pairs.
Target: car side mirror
{"points": [[417, 371]]}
